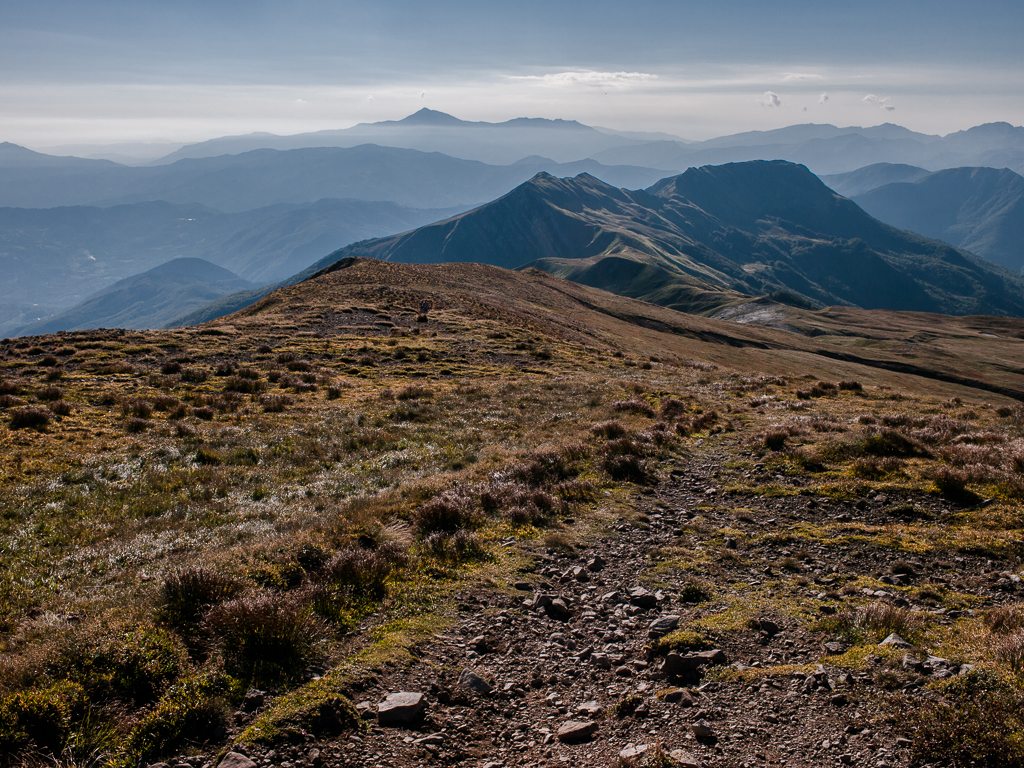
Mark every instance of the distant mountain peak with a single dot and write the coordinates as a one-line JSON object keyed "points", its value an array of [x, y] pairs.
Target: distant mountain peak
{"points": [[430, 117]]}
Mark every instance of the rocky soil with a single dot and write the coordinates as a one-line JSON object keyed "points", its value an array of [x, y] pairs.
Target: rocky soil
{"points": [[558, 669]]}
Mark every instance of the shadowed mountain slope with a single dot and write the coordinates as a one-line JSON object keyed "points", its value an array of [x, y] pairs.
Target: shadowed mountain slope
{"points": [[978, 209], [147, 300], [872, 177], [711, 236]]}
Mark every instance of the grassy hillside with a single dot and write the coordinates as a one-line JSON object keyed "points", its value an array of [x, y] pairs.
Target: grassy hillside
{"points": [[228, 537]]}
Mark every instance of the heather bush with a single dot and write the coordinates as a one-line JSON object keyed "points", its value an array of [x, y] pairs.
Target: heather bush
{"points": [[30, 417], [450, 511], [634, 405], [61, 408], [49, 394], [265, 638], [188, 593]]}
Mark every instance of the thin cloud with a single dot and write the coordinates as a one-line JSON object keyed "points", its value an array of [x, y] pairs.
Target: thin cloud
{"points": [[881, 103], [770, 99], [589, 78], [800, 77]]}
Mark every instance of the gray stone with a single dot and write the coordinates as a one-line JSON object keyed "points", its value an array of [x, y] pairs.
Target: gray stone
{"points": [[576, 731], [684, 759], [677, 664], [680, 696], [401, 708], [702, 730], [662, 626], [595, 564], [434, 739], [895, 640], [558, 610], [474, 682], [602, 660], [632, 754], [236, 760], [834, 648], [642, 598], [591, 708]]}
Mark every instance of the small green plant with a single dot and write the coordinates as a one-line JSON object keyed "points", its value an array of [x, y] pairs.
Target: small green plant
{"points": [[978, 724], [193, 711]]}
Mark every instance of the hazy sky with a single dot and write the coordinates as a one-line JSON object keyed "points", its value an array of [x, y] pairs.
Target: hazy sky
{"points": [[181, 70]]}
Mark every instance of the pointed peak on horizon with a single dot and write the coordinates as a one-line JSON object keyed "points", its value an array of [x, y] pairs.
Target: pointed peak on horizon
{"points": [[427, 116]]}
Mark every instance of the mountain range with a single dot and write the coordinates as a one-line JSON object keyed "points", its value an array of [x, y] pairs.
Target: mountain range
{"points": [[700, 241], [263, 177], [825, 149], [266, 207]]}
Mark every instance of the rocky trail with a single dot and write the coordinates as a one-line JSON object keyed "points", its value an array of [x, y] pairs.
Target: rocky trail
{"points": [[559, 669]]}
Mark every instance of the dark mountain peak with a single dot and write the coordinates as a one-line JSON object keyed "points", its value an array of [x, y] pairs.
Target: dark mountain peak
{"points": [[762, 183], [739, 194], [191, 268], [430, 117], [541, 122], [534, 160]]}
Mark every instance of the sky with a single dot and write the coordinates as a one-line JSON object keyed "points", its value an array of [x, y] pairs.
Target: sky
{"points": [[106, 71]]}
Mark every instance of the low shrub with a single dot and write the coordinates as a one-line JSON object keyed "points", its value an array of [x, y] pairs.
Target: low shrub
{"points": [[414, 392], [49, 394], [134, 663], [30, 417], [134, 425], [203, 412], [243, 384], [275, 403], [193, 375], [10, 401], [39, 720], [694, 591], [450, 511], [671, 409], [454, 548], [634, 405], [977, 724], [1005, 619], [365, 571], [266, 638], [143, 409], [170, 367], [608, 429], [891, 442], [166, 403], [627, 468], [187, 594], [11, 386], [61, 408], [192, 712]]}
